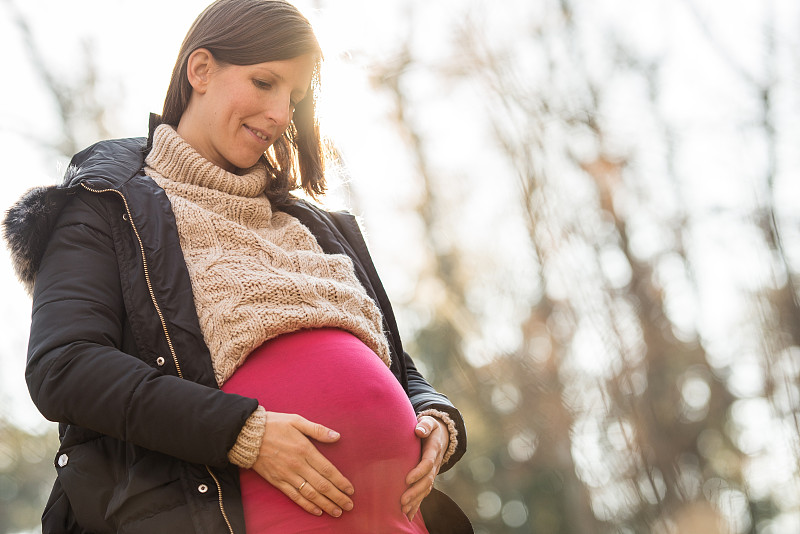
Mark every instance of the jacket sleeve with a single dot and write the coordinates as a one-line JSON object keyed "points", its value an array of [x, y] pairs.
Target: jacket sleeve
{"points": [[77, 373]]}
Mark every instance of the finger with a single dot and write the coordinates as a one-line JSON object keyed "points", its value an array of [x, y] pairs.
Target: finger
{"points": [[335, 486], [425, 466], [316, 431], [292, 492], [419, 484], [431, 458], [413, 512], [310, 493], [418, 490], [413, 496], [328, 493]]}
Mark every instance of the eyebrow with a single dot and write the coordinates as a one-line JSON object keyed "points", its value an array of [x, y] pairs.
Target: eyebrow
{"points": [[281, 78]]}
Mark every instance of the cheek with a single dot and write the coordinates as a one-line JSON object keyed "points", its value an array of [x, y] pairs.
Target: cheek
{"points": [[228, 106], [243, 102]]}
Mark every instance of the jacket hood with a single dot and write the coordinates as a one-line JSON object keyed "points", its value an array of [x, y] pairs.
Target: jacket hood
{"points": [[28, 223]]}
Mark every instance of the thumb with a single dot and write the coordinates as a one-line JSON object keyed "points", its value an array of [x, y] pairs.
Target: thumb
{"points": [[425, 426]]}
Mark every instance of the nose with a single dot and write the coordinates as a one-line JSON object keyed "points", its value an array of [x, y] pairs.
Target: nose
{"points": [[280, 112]]}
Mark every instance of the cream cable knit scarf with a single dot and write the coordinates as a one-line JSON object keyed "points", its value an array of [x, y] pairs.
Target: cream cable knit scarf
{"points": [[255, 273]]}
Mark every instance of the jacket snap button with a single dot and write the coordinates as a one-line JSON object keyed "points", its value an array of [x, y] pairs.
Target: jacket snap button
{"points": [[63, 460], [160, 361], [202, 488], [124, 216]]}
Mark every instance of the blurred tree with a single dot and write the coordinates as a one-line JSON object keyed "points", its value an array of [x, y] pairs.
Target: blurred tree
{"points": [[610, 415], [26, 475], [82, 114]]}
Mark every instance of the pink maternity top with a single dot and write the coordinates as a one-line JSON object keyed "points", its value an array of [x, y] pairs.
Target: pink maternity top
{"points": [[331, 377]]}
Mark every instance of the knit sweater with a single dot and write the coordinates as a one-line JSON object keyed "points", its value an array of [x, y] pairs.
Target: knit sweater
{"points": [[255, 273]]}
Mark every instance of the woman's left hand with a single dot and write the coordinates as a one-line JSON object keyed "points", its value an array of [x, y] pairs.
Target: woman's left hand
{"points": [[435, 439]]}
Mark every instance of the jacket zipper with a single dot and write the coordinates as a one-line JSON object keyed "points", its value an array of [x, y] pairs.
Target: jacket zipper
{"points": [[221, 505], [146, 273], [163, 323]]}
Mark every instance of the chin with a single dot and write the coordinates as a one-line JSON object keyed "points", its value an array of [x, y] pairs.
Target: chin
{"points": [[245, 162]]}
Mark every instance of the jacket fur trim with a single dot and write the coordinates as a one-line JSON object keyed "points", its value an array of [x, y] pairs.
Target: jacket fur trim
{"points": [[25, 229]]}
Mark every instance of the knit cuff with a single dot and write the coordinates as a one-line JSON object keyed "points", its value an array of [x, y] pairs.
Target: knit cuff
{"points": [[451, 427], [245, 450]]}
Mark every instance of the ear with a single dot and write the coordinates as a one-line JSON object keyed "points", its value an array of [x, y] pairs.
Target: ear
{"points": [[198, 69]]}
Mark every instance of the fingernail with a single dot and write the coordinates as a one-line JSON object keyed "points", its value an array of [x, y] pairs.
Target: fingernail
{"points": [[348, 506], [337, 513], [333, 434], [349, 491], [317, 511]]}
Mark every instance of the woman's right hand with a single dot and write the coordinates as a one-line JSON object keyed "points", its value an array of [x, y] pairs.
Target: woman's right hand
{"points": [[287, 459]]}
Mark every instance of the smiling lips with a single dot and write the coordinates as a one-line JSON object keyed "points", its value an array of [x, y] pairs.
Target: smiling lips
{"points": [[258, 133]]}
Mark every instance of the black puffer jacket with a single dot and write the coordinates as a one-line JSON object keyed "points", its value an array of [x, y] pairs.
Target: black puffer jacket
{"points": [[116, 354]]}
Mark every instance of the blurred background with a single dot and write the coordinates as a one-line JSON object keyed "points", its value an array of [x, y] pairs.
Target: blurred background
{"points": [[586, 213]]}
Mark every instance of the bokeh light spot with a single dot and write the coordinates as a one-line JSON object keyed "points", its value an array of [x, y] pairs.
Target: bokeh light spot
{"points": [[489, 504], [505, 398], [522, 446], [515, 514], [482, 469], [695, 395]]}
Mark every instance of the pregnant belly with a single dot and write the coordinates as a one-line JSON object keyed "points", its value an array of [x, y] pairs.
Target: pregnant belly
{"points": [[330, 377]]}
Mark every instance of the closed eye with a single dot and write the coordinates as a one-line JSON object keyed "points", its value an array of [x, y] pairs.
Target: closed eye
{"points": [[261, 84]]}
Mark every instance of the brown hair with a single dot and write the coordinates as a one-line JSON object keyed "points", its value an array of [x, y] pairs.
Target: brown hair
{"points": [[246, 32]]}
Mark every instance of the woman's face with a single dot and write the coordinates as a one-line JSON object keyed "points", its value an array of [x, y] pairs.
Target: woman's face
{"points": [[236, 112]]}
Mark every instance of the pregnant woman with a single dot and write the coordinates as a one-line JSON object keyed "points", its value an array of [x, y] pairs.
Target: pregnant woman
{"points": [[221, 356]]}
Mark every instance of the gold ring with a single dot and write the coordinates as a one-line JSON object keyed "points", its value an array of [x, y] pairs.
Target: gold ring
{"points": [[301, 485]]}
